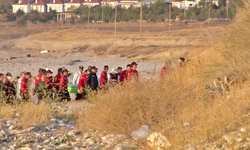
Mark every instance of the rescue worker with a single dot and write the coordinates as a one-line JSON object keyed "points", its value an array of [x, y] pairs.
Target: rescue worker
{"points": [[38, 77], [15, 83], [77, 75], [41, 90], [10, 85], [113, 77], [119, 72], [165, 68], [104, 77], [92, 81], [82, 85], [49, 82], [181, 62], [133, 73], [25, 86], [18, 94], [56, 83], [64, 94], [124, 74], [7, 91]]}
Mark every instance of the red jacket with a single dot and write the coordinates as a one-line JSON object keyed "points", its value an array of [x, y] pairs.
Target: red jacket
{"points": [[49, 82], [57, 79], [64, 82], [123, 76], [82, 81], [24, 87], [38, 78], [132, 73], [104, 78], [163, 70]]}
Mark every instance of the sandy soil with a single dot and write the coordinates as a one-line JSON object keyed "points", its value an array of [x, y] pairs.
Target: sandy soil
{"points": [[72, 47]]}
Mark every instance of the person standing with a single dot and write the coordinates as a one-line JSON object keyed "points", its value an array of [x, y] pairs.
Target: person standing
{"points": [[124, 74], [133, 73], [10, 85], [64, 94], [38, 77], [92, 81], [77, 75], [119, 72], [25, 86], [18, 95], [82, 85], [56, 83], [104, 77], [49, 82], [41, 90]]}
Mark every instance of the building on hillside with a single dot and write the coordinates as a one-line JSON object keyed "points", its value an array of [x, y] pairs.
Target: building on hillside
{"points": [[92, 3], [39, 5], [56, 5], [72, 4], [22, 5], [129, 3], [111, 3], [181, 4]]}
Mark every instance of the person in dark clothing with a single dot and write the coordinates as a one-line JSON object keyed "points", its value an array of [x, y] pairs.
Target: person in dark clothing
{"points": [[92, 81], [7, 91]]}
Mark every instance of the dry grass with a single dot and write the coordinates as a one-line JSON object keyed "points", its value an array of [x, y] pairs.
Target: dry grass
{"points": [[179, 106], [30, 114]]}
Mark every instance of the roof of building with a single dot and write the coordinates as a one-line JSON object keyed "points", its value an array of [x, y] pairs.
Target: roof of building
{"points": [[57, 2], [92, 1], [39, 2], [21, 3], [74, 1]]}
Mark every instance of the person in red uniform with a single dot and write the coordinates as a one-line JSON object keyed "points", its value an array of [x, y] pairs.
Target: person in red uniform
{"points": [[25, 86], [165, 68], [82, 85], [49, 82], [124, 74], [104, 77], [38, 77], [133, 73], [57, 79], [64, 85]]}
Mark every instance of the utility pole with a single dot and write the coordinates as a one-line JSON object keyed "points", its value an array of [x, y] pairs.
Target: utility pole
{"points": [[169, 17], [88, 17], [227, 7], [102, 10], [115, 19], [141, 16], [184, 9], [209, 11]]}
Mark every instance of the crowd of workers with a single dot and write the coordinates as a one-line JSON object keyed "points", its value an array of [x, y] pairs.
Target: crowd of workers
{"points": [[57, 88]]}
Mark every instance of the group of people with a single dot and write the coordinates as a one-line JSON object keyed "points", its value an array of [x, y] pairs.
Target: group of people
{"points": [[47, 86]]}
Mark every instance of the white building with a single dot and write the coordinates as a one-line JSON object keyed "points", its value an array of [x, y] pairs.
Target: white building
{"points": [[39, 5], [72, 4], [22, 5], [57, 5]]}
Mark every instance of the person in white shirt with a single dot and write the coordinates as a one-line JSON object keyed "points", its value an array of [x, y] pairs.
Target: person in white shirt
{"points": [[77, 75], [18, 95]]}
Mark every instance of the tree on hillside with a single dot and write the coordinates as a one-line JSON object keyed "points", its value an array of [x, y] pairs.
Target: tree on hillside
{"points": [[8, 17], [33, 15], [19, 13]]}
